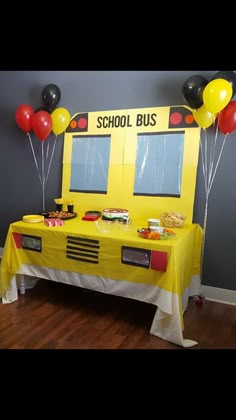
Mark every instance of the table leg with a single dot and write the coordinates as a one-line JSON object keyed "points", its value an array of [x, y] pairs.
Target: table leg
{"points": [[22, 284]]}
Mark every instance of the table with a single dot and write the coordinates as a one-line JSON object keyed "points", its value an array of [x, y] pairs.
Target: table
{"points": [[116, 261]]}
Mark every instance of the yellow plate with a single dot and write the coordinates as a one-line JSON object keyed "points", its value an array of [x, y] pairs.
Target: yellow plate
{"points": [[33, 218]]}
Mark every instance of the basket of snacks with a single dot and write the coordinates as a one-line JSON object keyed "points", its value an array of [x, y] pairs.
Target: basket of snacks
{"points": [[172, 219]]}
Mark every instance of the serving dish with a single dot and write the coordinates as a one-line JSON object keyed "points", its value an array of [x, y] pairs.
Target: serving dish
{"points": [[64, 215], [147, 233]]}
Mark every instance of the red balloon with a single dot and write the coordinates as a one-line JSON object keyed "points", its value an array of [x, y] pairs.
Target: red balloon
{"points": [[227, 118], [23, 117], [42, 124]]}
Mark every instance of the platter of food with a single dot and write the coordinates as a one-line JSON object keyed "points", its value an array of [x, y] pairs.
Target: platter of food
{"points": [[147, 233], [64, 215]]}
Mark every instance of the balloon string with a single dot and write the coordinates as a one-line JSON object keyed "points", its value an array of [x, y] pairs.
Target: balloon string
{"points": [[212, 155], [208, 189], [47, 156], [35, 160], [47, 152], [204, 169], [54, 145], [206, 165], [217, 164], [203, 165], [43, 177]]}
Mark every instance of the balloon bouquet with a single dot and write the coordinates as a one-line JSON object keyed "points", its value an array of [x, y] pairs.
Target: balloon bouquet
{"points": [[211, 104], [42, 121]]}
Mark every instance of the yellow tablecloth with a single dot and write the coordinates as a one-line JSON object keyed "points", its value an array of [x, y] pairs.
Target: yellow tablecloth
{"points": [[100, 266]]}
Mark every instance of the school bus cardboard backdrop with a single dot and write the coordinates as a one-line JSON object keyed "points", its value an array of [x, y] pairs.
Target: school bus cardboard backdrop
{"points": [[143, 160]]}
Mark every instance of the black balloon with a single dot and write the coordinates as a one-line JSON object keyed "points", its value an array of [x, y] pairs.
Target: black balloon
{"points": [[192, 91], [44, 108], [51, 95], [230, 76]]}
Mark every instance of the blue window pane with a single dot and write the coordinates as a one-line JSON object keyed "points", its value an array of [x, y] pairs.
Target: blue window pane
{"points": [[159, 162], [90, 163]]}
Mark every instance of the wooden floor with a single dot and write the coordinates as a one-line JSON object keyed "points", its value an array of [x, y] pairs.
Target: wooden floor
{"points": [[57, 316]]}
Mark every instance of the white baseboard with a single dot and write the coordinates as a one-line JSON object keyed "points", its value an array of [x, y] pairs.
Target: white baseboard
{"points": [[219, 295]]}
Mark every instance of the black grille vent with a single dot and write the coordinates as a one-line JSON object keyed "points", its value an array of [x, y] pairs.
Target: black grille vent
{"points": [[82, 249]]}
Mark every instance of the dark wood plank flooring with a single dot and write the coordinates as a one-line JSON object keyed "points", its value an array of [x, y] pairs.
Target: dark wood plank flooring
{"points": [[58, 316]]}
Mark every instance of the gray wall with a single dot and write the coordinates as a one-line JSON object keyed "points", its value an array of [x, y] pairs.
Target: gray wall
{"points": [[107, 90]]}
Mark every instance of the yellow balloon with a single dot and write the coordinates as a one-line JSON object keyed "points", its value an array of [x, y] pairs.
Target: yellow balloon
{"points": [[60, 120], [203, 117], [217, 94]]}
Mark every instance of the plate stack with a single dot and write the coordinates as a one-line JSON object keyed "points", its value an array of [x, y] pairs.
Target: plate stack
{"points": [[33, 218]]}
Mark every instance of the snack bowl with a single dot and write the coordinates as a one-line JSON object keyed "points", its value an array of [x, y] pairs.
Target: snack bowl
{"points": [[172, 219]]}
